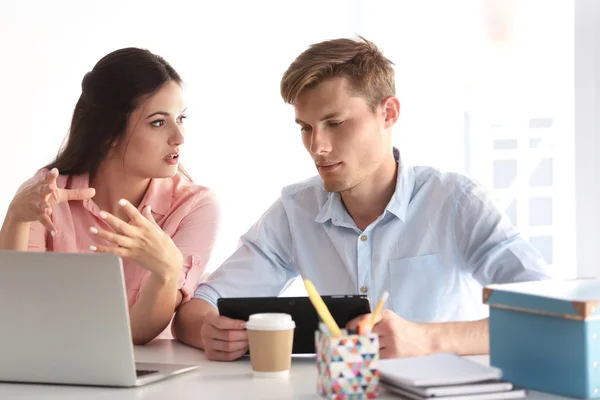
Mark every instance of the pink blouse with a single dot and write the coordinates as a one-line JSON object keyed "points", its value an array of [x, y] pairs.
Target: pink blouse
{"points": [[187, 212]]}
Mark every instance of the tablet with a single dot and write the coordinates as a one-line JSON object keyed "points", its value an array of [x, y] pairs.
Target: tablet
{"points": [[343, 309]]}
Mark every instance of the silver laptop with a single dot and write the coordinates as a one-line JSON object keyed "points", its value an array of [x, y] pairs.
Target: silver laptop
{"points": [[64, 320]]}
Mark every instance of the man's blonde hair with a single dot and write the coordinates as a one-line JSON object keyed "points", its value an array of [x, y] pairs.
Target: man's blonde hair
{"points": [[369, 73]]}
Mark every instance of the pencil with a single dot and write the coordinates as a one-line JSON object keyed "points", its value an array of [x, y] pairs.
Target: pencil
{"points": [[379, 308], [322, 309]]}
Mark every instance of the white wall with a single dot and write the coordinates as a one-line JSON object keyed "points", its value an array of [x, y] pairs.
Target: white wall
{"points": [[241, 136], [587, 143]]}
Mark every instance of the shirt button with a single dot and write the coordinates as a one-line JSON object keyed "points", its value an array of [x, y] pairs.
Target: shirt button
{"points": [[363, 238], [364, 289]]}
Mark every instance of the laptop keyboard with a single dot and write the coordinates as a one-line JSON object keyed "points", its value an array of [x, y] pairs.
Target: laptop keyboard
{"points": [[143, 372]]}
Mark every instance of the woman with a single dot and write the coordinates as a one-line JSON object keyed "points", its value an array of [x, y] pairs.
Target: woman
{"points": [[121, 189]]}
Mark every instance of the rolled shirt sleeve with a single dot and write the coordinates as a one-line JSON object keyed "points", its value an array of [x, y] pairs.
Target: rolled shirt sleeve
{"points": [[261, 266], [490, 244]]}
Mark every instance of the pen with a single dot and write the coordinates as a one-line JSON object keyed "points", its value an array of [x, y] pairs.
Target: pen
{"points": [[322, 309], [379, 308]]}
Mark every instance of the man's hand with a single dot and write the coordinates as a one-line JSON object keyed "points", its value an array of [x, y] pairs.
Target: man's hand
{"points": [[224, 339], [397, 336]]}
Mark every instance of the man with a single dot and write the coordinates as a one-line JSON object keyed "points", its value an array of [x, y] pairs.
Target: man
{"points": [[368, 223]]}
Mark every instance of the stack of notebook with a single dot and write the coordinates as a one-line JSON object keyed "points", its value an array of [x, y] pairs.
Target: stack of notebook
{"points": [[445, 376]]}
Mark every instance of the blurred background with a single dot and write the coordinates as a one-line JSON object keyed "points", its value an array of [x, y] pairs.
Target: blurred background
{"points": [[505, 91]]}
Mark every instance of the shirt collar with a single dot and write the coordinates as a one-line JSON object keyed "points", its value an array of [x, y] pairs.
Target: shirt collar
{"points": [[83, 182], [159, 195], [405, 184], [334, 209]]}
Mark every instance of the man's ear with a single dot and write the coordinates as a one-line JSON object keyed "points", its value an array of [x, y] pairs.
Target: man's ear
{"points": [[391, 110]]}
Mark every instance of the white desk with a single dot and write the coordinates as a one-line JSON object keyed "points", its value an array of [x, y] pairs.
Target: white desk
{"points": [[213, 380]]}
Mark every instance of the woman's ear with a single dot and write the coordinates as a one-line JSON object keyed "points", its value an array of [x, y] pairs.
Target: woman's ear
{"points": [[113, 148], [114, 143]]}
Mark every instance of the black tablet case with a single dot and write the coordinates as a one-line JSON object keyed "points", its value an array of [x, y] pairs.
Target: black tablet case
{"points": [[343, 309]]}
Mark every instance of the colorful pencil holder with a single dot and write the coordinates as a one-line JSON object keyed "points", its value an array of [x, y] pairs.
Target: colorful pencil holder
{"points": [[347, 366]]}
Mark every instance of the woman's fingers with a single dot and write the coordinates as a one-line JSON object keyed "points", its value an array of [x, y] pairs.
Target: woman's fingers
{"points": [[51, 176], [75, 194], [119, 225], [50, 182], [47, 222], [48, 192], [46, 189], [117, 251], [136, 217], [119, 240], [147, 212]]}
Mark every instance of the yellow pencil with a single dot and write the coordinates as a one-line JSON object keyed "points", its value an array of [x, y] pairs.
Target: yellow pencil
{"points": [[379, 308], [322, 309]]}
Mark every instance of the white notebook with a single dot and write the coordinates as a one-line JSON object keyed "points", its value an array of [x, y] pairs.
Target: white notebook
{"points": [[452, 390], [436, 370], [510, 394]]}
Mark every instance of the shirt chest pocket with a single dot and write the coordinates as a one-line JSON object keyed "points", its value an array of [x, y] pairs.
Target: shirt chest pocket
{"points": [[417, 287]]}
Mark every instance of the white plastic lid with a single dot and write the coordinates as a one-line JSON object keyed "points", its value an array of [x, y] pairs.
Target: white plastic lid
{"points": [[270, 322]]}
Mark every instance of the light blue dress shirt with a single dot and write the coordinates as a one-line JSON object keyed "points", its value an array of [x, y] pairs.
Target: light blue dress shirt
{"points": [[438, 242]]}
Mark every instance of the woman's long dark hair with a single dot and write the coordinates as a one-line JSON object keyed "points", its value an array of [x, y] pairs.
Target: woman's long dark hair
{"points": [[109, 94]]}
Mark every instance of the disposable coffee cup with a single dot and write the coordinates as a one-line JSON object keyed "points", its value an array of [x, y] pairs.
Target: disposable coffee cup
{"points": [[270, 337]]}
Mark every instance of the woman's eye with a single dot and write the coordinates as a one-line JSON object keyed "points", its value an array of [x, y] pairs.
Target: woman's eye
{"points": [[334, 124], [158, 123], [181, 118]]}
